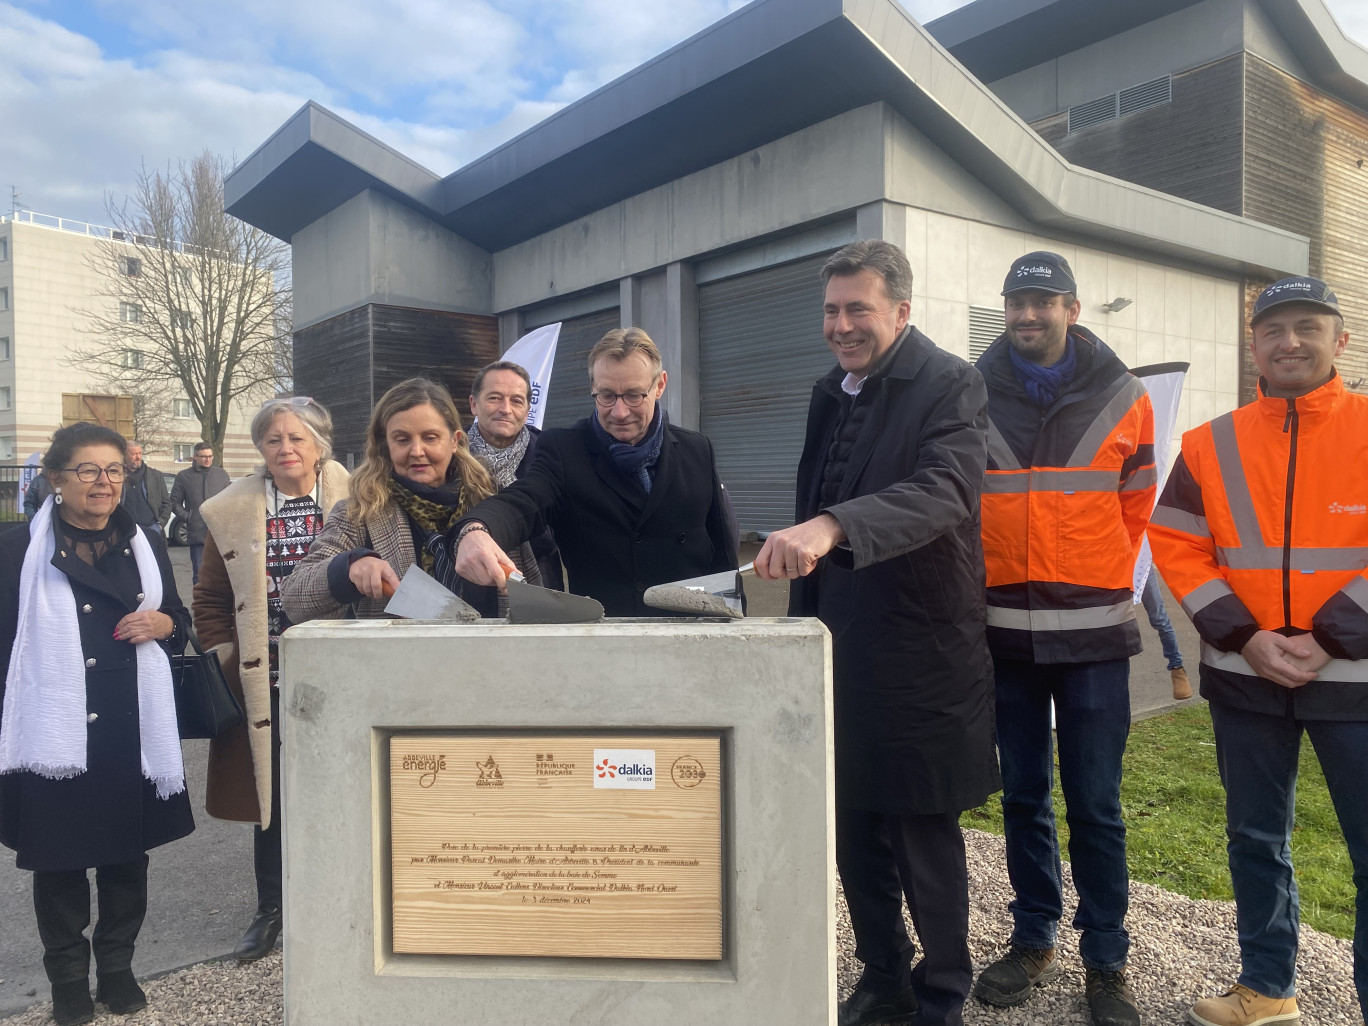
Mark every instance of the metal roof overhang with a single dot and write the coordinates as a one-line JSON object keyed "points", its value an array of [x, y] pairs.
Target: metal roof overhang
{"points": [[765, 71]]}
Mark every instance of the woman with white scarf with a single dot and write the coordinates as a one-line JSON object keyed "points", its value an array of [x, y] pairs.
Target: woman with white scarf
{"points": [[90, 757]]}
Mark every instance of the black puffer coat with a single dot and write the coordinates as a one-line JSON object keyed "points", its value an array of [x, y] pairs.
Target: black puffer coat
{"points": [[904, 598]]}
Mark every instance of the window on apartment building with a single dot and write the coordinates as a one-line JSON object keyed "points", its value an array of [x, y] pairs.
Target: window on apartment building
{"points": [[183, 319], [986, 323], [4, 299], [130, 313], [182, 409], [183, 275], [132, 359], [184, 452], [4, 347], [4, 249], [6, 449], [130, 267], [5, 394]]}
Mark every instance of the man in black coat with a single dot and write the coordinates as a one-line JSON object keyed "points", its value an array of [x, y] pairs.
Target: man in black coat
{"points": [[195, 485], [144, 492], [887, 553], [501, 439], [633, 500]]}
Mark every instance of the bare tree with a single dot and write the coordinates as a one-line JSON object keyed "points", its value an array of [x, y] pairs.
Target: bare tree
{"points": [[199, 307]]}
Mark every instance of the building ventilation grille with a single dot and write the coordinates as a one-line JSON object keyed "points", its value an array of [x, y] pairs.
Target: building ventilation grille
{"points": [[1118, 105], [1094, 112], [1145, 95], [986, 323]]}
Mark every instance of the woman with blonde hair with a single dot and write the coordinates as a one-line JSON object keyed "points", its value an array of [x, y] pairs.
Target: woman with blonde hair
{"points": [[418, 479], [258, 530]]}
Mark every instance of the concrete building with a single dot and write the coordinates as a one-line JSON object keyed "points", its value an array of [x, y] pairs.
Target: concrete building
{"points": [[1255, 107], [50, 289], [698, 195]]}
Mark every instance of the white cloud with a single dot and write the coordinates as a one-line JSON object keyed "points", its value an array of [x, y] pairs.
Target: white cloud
{"points": [[442, 81]]}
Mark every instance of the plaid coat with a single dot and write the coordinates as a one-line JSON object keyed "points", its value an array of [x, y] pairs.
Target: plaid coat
{"points": [[306, 595]]}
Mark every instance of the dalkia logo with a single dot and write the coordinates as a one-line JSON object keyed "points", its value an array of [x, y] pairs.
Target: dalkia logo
{"points": [[1358, 509], [631, 769]]}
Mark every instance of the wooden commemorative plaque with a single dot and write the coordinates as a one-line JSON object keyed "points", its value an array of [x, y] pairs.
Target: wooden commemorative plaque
{"points": [[555, 845]]}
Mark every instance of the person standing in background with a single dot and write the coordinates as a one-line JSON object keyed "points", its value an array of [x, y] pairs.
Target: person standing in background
{"points": [[144, 492], [195, 484]]}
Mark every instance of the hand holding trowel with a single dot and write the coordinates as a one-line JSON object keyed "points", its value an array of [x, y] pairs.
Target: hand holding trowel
{"points": [[710, 595]]}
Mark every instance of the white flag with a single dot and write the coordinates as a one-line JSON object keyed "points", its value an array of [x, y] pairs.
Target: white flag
{"points": [[535, 352], [1165, 384]]}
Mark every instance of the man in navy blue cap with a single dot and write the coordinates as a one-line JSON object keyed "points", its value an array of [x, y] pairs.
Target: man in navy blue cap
{"points": [[1066, 497], [1262, 533]]}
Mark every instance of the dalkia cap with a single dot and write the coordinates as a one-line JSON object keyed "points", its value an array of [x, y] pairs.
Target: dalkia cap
{"points": [[1295, 290], [1042, 270]]}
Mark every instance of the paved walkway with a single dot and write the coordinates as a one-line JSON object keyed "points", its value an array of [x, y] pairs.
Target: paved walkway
{"points": [[201, 892]]}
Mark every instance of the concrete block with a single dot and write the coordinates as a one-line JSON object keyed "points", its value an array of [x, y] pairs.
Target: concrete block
{"points": [[762, 685]]}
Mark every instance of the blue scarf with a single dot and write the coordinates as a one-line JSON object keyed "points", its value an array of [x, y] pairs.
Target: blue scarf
{"points": [[1043, 384], [636, 461]]}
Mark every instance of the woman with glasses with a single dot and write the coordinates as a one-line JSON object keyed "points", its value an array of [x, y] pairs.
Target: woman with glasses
{"points": [[90, 755], [417, 481], [257, 532]]}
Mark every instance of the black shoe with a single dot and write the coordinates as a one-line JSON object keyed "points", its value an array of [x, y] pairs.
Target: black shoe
{"points": [[1009, 980], [119, 992], [71, 1003], [260, 936], [866, 1005], [1109, 999]]}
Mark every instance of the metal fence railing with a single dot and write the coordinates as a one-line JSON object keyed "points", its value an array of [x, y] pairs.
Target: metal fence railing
{"points": [[14, 478]]}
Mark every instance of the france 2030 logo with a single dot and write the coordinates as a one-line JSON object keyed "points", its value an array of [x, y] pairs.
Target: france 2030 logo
{"points": [[632, 769]]}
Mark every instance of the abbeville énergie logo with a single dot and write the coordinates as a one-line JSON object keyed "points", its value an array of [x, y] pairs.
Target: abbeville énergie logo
{"points": [[489, 774], [427, 765], [687, 772]]}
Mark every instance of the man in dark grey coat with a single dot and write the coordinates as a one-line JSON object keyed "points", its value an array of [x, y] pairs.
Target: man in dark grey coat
{"points": [[144, 491], [197, 483], [887, 553]]}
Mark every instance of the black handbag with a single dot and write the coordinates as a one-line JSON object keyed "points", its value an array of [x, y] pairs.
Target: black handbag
{"points": [[205, 706]]}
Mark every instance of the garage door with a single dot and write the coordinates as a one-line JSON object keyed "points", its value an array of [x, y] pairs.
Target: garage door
{"points": [[567, 401], [760, 351]]}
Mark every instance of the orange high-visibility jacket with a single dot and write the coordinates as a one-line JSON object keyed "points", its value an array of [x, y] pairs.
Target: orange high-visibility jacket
{"points": [[1065, 502], [1263, 525]]}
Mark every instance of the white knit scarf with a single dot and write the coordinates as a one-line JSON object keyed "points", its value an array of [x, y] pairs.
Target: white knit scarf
{"points": [[44, 728]]}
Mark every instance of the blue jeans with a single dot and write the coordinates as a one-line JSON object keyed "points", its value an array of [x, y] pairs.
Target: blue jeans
{"points": [[1092, 717], [1153, 601], [196, 557], [1257, 755]]}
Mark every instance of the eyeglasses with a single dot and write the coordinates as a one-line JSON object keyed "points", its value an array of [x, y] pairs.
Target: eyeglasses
{"points": [[608, 400], [90, 472]]}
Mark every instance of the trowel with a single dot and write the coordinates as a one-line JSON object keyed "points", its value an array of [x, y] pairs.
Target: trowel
{"points": [[529, 604], [710, 595], [420, 597]]}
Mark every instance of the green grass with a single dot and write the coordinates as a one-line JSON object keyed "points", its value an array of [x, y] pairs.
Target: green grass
{"points": [[1174, 809]]}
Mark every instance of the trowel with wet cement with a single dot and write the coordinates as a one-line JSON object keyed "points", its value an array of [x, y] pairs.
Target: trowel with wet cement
{"points": [[710, 595], [420, 597], [528, 603]]}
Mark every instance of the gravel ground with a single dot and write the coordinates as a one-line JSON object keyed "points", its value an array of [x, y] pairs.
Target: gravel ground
{"points": [[1181, 949]]}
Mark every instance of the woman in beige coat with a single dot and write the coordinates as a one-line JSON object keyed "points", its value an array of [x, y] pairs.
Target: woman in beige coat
{"points": [[260, 528]]}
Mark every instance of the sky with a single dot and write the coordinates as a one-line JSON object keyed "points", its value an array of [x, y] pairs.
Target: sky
{"points": [[90, 90]]}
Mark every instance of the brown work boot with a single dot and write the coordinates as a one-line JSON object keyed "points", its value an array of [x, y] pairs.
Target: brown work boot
{"points": [[1241, 1006], [1181, 687], [1009, 980]]}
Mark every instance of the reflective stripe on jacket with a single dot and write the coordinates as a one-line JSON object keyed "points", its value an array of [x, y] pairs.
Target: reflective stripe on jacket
{"points": [[1066, 498], [1263, 525]]}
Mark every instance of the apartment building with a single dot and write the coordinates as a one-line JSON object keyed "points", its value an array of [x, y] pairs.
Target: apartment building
{"points": [[53, 286]]}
